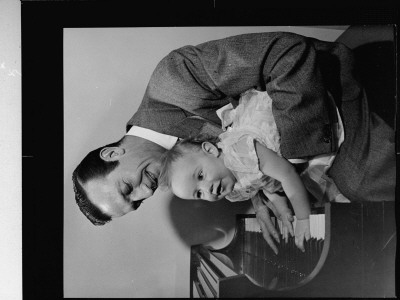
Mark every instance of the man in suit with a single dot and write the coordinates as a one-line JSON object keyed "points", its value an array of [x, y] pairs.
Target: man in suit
{"points": [[306, 78]]}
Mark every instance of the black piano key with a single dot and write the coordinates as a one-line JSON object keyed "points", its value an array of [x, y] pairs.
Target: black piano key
{"points": [[253, 243], [260, 271], [247, 241], [257, 244], [268, 252], [321, 245], [263, 247], [246, 263], [309, 250], [252, 267], [316, 252]]}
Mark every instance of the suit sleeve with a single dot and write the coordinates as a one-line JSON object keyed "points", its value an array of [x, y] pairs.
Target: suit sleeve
{"points": [[200, 79]]}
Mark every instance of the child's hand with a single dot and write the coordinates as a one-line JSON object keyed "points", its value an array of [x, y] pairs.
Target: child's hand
{"points": [[287, 227], [302, 232]]}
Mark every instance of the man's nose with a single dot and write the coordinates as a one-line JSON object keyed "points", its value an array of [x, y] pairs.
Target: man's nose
{"points": [[141, 192]]}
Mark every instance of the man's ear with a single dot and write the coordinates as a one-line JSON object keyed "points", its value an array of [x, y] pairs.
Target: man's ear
{"points": [[210, 148], [111, 153]]}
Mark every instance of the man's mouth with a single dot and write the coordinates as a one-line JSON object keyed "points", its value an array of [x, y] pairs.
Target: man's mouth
{"points": [[136, 204], [219, 189]]}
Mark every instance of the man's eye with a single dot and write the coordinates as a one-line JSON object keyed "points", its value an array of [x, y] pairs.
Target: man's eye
{"points": [[198, 194], [201, 175], [129, 188]]}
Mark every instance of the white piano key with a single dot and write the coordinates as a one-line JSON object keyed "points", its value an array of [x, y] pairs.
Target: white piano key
{"points": [[319, 221], [316, 227], [258, 226], [313, 225], [319, 227], [253, 224]]}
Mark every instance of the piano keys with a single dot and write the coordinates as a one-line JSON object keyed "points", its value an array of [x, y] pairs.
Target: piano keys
{"points": [[351, 254], [290, 266]]}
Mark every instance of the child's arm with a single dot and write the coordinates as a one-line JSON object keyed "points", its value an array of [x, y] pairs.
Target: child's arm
{"points": [[280, 169]]}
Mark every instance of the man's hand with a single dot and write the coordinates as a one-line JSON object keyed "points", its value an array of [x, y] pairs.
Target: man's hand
{"points": [[287, 227], [264, 219], [302, 232]]}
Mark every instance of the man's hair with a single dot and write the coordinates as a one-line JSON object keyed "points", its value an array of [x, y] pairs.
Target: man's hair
{"points": [[185, 146], [92, 167]]}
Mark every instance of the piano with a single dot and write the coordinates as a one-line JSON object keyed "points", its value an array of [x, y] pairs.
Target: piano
{"points": [[352, 253]]}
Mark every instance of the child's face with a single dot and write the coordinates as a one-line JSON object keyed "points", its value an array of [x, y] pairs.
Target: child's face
{"points": [[201, 175]]}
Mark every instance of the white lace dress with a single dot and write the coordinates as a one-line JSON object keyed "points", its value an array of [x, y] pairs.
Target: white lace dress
{"points": [[252, 120]]}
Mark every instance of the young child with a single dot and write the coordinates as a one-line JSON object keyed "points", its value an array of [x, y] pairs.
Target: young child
{"points": [[238, 164]]}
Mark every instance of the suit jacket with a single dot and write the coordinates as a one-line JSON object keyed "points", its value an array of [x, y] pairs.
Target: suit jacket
{"points": [[304, 76]]}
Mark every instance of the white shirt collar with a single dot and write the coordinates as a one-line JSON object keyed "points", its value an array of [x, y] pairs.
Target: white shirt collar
{"points": [[219, 111], [164, 140]]}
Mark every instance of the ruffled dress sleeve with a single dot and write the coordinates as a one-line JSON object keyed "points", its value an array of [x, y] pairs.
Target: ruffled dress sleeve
{"points": [[252, 120]]}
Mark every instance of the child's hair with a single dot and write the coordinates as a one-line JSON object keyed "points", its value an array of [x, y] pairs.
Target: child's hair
{"points": [[182, 147]]}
